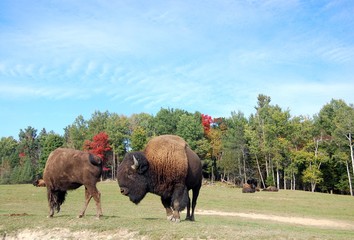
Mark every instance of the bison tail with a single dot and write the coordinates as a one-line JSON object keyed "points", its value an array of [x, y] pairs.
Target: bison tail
{"points": [[95, 160], [56, 199]]}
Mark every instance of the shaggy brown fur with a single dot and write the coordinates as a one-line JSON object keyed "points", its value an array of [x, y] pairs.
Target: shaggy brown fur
{"points": [[68, 169], [167, 158]]}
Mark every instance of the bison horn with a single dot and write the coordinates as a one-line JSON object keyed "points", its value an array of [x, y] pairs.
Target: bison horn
{"points": [[136, 163]]}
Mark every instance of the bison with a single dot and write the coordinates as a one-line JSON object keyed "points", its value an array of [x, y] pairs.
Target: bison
{"points": [[271, 189], [68, 169], [250, 186], [168, 168]]}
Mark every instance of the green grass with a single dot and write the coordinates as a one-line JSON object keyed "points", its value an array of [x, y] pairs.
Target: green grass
{"points": [[25, 207]]}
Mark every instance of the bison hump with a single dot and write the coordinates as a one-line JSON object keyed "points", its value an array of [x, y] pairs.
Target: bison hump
{"points": [[167, 158]]}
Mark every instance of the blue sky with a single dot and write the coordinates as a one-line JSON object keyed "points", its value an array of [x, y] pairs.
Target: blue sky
{"points": [[62, 59]]}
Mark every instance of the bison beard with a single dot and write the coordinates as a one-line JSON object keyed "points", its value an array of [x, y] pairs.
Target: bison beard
{"points": [[168, 168]]}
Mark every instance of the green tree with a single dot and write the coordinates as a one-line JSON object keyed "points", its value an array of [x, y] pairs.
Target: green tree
{"points": [[142, 120], [344, 134], [254, 142], [326, 123], [166, 121], [29, 146], [299, 136], [49, 143], [97, 123], [266, 128], [118, 131], [344, 185], [9, 151], [9, 157], [76, 133], [190, 129], [235, 159], [138, 139], [26, 174]]}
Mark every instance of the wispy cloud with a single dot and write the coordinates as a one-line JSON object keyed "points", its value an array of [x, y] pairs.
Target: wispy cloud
{"points": [[213, 56]]}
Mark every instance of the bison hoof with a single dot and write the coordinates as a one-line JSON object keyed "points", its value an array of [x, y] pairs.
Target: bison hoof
{"points": [[176, 220], [50, 216], [173, 219], [190, 219], [80, 216]]}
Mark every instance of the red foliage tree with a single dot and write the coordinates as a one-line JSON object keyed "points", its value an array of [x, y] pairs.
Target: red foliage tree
{"points": [[206, 121], [99, 145]]}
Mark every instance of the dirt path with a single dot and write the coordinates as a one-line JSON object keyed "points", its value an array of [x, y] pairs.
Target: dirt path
{"points": [[64, 233], [293, 220]]}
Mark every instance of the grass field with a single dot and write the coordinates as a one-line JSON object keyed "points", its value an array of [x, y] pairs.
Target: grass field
{"points": [[222, 213]]}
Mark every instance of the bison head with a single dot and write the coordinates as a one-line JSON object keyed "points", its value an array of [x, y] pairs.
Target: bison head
{"points": [[252, 183], [133, 176]]}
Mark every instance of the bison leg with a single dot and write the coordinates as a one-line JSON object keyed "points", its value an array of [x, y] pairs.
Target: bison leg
{"points": [[97, 198], [92, 192], [180, 200], [190, 216], [51, 202], [88, 197], [166, 202]]}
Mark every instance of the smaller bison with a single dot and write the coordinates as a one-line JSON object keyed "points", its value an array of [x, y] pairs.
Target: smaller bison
{"points": [[68, 169], [250, 186], [271, 189], [168, 168]]}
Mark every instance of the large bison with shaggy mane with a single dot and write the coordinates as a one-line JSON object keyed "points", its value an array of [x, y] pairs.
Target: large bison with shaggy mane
{"points": [[68, 169], [168, 168]]}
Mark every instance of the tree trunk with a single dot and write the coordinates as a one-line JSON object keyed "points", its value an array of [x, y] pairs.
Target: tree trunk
{"points": [[351, 150], [313, 186], [240, 169], [278, 178], [244, 165], [349, 179], [259, 171], [267, 173], [113, 165]]}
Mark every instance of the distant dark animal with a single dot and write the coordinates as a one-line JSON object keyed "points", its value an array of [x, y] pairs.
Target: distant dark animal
{"points": [[250, 186], [39, 183], [168, 168], [68, 169], [271, 189]]}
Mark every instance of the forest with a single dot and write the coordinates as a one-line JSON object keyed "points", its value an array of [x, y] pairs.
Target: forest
{"points": [[290, 152]]}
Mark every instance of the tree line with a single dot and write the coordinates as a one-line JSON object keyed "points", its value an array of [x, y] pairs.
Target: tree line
{"points": [[289, 152]]}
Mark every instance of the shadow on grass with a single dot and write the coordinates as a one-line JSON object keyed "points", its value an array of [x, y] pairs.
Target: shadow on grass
{"points": [[152, 219]]}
